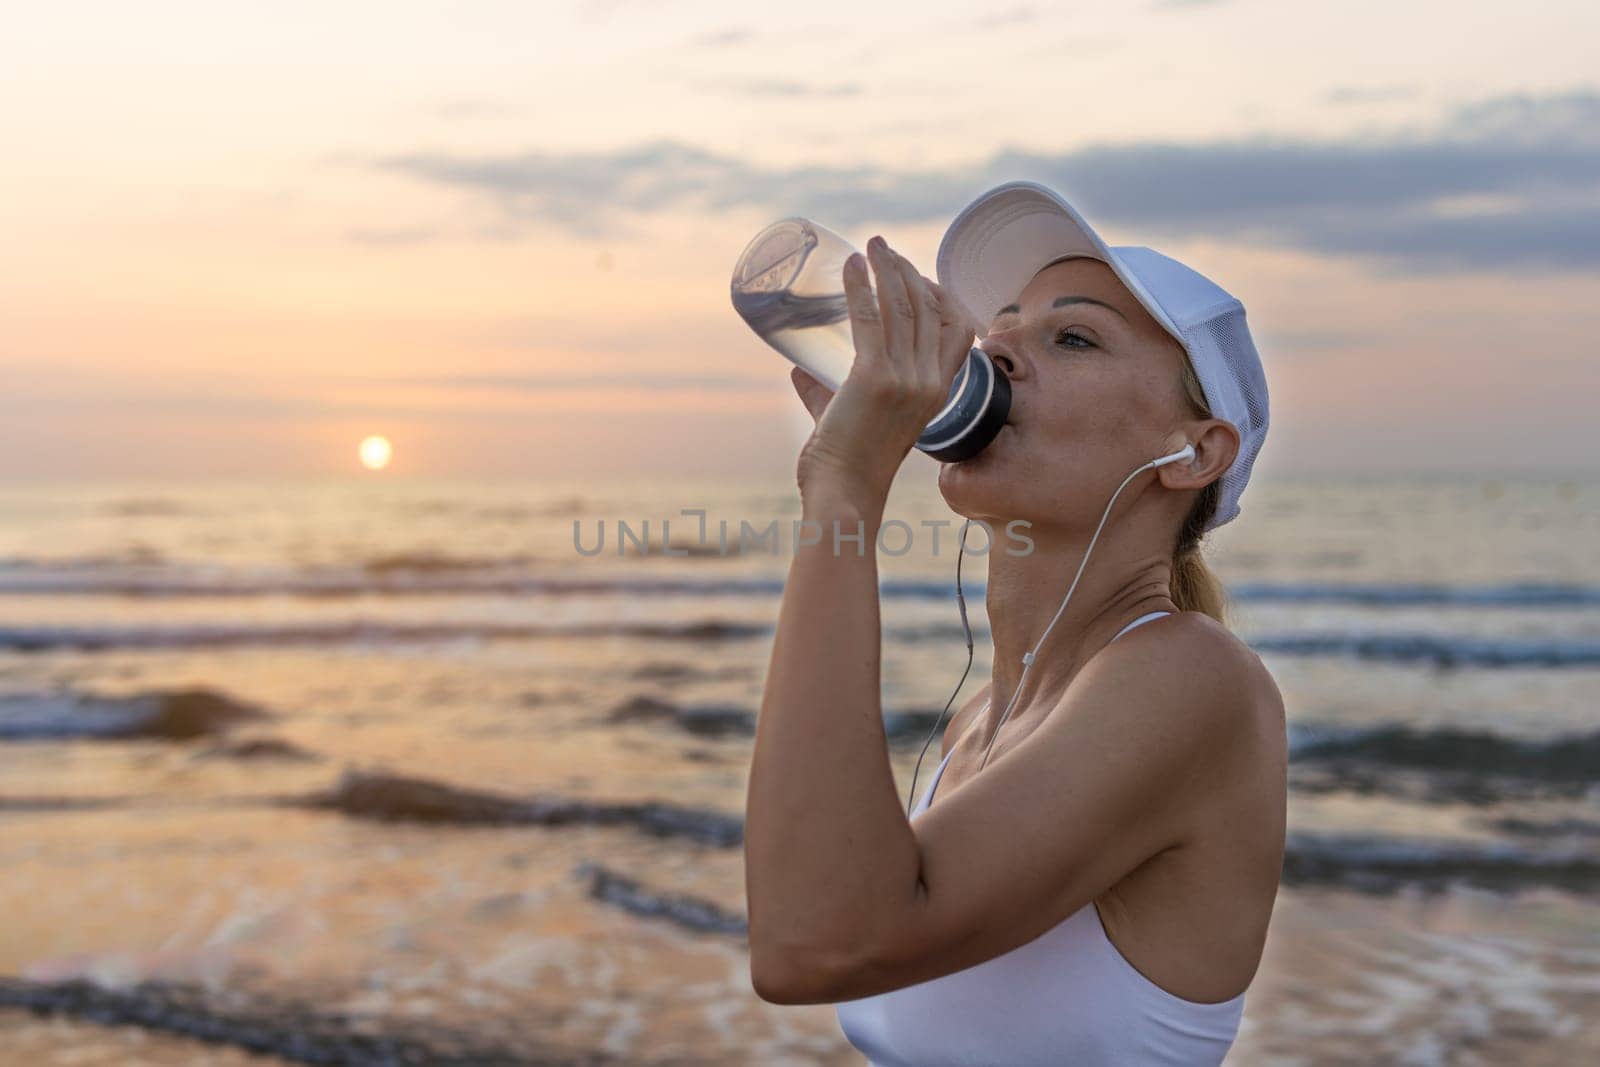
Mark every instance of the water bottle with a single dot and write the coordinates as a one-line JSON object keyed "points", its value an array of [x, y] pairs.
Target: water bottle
{"points": [[788, 285]]}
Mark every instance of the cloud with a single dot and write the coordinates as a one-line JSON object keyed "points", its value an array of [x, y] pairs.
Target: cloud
{"points": [[471, 107], [1525, 118], [1011, 16], [541, 383], [1368, 94], [583, 339], [778, 87], [583, 192], [603, 10], [721, 38], [389, 236], [1510, 181]]}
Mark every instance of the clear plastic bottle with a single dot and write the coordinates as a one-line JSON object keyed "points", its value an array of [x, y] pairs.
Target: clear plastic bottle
{"points": [[788, 286]]}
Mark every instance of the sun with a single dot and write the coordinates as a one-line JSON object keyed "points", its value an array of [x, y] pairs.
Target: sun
{"points": [[375, 452]]}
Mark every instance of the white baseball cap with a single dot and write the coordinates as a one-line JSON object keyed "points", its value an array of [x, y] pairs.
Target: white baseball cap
{"points": [[1003, 238]]}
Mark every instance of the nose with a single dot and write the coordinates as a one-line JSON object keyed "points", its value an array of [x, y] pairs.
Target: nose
{"points": [[1005, 353]]}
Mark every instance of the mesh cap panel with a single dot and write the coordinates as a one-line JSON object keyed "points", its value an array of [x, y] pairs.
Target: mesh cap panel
{"points": [[1229, 369]]}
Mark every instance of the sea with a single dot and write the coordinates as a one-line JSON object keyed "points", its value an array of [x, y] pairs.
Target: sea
{"points": [[383, 772]]}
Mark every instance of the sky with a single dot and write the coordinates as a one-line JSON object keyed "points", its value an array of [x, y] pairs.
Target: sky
{"points": [[238, 238]]}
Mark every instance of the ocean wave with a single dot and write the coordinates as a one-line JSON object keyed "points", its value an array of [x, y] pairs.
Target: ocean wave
{"points": [[1570, 758], [408, 573], [388, 797], [400, 574], [1567, 827], [1385, 864], [174, 715], [1436, 650], [426, 563], [1439, 786], [36, 804], [147, 507], [706, 720], [257, 748], [222, 635], [290, 1029], [731, 720], [690, 913], [142, 573], [674, 672], [1498, 595]]}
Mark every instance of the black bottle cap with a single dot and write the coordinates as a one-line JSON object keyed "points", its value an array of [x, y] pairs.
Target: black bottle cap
{"points": [[974, 420]]}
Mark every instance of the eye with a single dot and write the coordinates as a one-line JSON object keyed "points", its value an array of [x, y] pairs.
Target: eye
{"points": [[1063, 336]]}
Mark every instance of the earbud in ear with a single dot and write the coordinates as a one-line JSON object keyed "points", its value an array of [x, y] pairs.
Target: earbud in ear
{"points": [[1183, 454]]}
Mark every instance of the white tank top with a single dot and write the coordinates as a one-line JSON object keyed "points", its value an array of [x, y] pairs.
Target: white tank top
{"points": [[1066, 997]]}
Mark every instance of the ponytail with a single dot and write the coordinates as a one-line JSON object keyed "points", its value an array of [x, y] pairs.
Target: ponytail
{"points": [[1196, 588]]}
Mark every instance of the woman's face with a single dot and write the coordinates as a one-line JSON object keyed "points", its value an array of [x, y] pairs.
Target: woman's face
{"points": [[1096, 390]]}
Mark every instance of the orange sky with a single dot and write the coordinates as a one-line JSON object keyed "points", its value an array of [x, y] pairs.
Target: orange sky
{"points": [[241, 237]]}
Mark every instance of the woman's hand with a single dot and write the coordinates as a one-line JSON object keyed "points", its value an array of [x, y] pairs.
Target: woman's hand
{"points": [[910, 341]]}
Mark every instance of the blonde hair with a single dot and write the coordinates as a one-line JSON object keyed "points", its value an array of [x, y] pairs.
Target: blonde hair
{"points": [[1194, 586]]}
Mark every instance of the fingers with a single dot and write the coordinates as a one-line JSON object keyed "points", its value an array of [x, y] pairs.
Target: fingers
{"points": [[913, 334], [895, 305], [953, 309], [813, 394], [956, 332], [866, 324], [927, 315]]}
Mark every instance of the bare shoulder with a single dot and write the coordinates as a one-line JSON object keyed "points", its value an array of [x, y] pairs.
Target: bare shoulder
{"points": [[1217, 674], [1133, 762]]}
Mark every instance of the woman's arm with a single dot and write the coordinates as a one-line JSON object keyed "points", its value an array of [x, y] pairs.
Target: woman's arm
{"points": [[829, 853], [827, 845]]}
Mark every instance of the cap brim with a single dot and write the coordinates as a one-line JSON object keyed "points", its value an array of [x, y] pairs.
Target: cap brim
{"points": [[1007, 235]]}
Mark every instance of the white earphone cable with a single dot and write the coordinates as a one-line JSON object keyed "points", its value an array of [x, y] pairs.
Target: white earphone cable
{"points": [[1187, 452], [1029, 657]]}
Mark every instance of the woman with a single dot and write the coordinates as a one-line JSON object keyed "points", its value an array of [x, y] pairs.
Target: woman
{"points": [[1095, 883]]}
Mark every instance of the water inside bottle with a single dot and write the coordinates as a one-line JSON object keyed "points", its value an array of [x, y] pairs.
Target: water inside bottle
{"points": [[788, 286], [812, 331]]}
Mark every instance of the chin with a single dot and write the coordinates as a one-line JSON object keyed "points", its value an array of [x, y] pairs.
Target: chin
{"points": [[972, 486]]}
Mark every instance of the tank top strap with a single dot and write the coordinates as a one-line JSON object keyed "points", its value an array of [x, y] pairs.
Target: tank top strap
{"points": [[1146, 617]]}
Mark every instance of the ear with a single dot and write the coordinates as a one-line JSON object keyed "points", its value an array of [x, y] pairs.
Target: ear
{"points": [[1215, 442]]}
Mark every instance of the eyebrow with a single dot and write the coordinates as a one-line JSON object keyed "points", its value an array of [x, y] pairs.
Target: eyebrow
{"points": [[1062, 301]]}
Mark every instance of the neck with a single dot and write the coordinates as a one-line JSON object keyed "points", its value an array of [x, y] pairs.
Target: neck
{"points": [[1127, 576]]}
